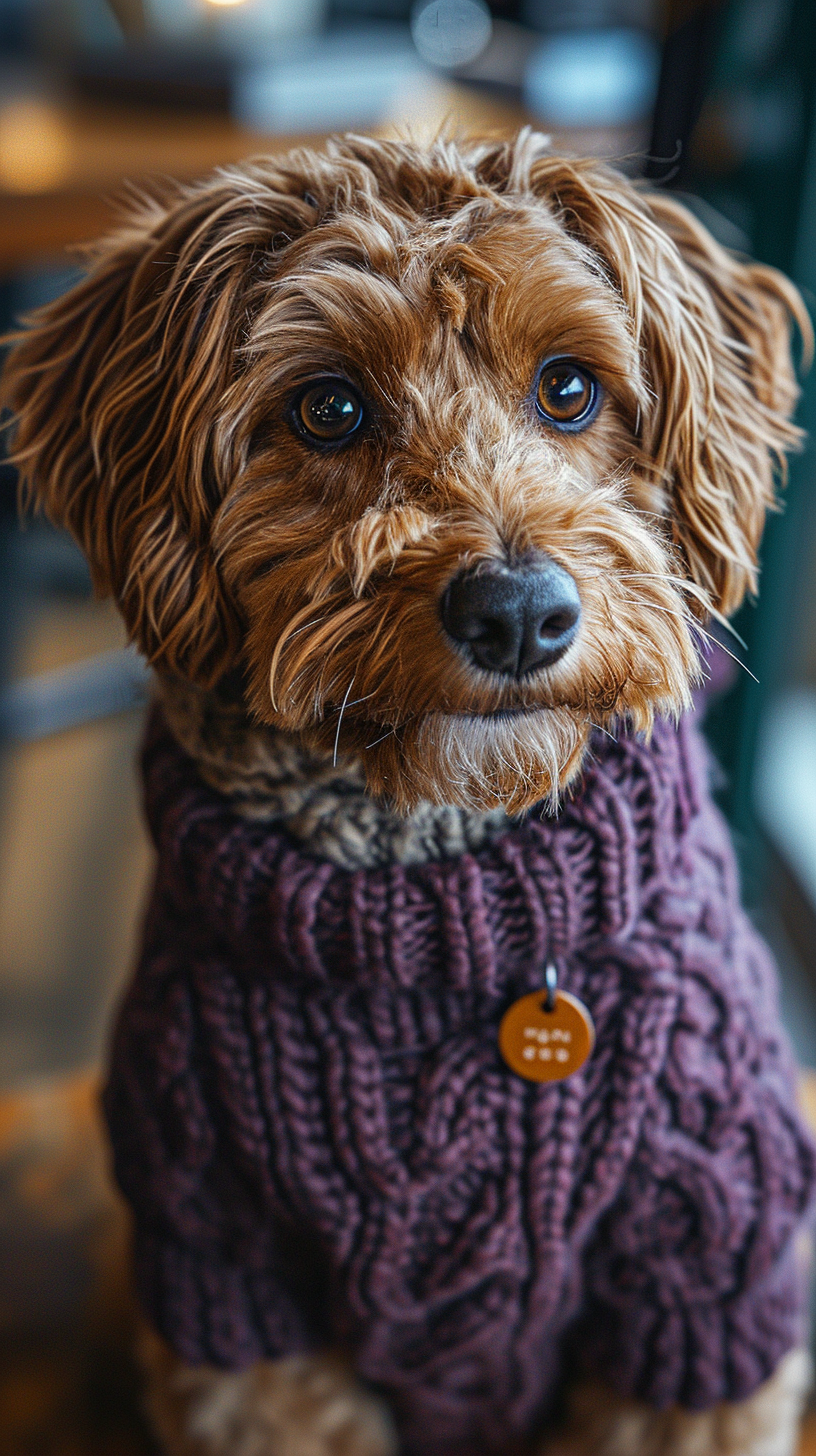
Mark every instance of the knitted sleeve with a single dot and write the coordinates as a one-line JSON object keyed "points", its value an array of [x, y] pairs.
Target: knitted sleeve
{"points": [[696, 1277], [212, 1274]]}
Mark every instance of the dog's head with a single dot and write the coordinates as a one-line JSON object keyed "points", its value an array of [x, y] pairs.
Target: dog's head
{"points": [[444, 450]]}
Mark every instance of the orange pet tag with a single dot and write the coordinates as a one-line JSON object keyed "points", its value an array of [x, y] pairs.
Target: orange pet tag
{"points": [[542, 1044]]}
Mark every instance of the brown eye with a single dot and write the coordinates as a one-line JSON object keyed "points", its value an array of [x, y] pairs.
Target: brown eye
{"points": [[328, 412], [567, 395]]}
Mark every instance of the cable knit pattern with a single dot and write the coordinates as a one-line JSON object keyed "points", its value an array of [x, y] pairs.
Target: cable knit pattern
{"points": [[320, 1140]]}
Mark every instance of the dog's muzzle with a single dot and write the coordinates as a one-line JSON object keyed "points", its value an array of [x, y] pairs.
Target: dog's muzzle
{"points": [[512, 619]]}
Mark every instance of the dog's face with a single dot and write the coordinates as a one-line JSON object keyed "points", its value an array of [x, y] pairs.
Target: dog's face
{"points": [[443, 450]]}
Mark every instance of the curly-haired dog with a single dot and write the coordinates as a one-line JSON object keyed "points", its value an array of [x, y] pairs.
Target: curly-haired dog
{"points": [[413, 472]]}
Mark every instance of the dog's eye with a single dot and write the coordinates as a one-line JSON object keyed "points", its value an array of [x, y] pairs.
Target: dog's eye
{"points": [[567, 394], [328, 412]]}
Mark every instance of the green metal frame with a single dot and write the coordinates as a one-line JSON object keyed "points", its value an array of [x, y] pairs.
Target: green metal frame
{"points": [[763, 89]]}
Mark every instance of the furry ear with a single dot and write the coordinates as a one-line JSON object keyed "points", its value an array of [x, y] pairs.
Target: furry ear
{"points": [[715, 337], [118, 392]]}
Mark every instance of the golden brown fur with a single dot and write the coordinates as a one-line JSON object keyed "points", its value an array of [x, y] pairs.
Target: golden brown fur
{"points": [[151, 409], [306, 1405], [604, 1425], [312, 1406], [151, 406]]}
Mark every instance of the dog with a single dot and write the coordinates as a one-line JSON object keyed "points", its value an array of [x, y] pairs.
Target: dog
{"points": [[417, 473]]}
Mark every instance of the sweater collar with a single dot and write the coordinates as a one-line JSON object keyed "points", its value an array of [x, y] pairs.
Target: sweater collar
{"points": [[272, 777]]}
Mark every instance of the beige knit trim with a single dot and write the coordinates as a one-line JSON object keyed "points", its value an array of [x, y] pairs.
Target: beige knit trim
{"points": [[271, 776], [302, 1405], [603, 1423]]}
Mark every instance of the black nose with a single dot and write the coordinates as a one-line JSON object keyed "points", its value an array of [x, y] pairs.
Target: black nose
{"points": [[513, 619]]}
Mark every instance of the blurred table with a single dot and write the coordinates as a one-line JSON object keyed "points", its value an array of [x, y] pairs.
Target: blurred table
{"points": [[64, 165]]}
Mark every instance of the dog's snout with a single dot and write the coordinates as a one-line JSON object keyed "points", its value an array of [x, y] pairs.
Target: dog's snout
{"points": [[513, 619]]}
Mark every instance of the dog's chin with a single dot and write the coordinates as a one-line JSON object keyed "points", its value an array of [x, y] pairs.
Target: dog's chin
{"points": [[504, 760]]}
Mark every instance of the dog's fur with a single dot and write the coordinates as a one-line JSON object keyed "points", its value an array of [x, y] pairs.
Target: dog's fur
{"points": [[151, 418], [312, 1406]]}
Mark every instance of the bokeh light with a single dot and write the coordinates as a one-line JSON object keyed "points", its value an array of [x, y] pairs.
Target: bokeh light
{"points": [[35, 149], [450, 33], [593, 78]]}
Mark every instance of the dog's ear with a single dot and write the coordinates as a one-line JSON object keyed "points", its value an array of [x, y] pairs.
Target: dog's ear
{"points": [[715, 339], [118, 393]]}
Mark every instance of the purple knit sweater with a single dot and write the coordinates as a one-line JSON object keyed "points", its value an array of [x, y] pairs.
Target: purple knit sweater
{"points": [[321, 1142]]}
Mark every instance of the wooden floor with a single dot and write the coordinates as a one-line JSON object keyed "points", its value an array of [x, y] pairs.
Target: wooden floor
{"points": [[67, 1382]]}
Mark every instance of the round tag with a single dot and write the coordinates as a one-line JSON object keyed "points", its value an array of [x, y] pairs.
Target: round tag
{"points": [[542, 1045]]}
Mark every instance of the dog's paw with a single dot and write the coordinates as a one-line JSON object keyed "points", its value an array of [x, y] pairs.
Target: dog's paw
{"points": [[768, 1423], [602, 1424], [305, 1405]]}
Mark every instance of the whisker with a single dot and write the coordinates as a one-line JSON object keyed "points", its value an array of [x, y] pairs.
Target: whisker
{"points": [[602, 730], [716, 642], [670, 612], [339, 721], [392, 729], [383, 736], [724, 622], [697, 628], [694, 590], [355, 701], [306, 625], [286, 636]]}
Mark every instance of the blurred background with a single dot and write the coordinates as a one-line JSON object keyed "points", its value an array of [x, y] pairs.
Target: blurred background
{"points": [[713, 99]]}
